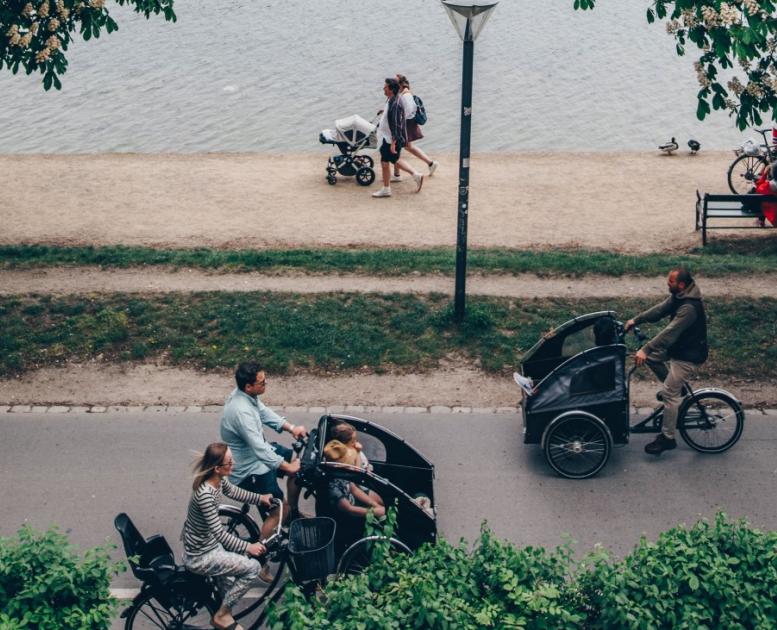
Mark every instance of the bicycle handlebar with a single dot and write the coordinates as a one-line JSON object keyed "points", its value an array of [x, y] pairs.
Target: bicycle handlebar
{"points": [[642, 338]]}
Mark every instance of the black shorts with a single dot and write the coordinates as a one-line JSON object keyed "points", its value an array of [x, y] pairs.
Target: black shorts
{"points": [[386, 155], [267, 483]]}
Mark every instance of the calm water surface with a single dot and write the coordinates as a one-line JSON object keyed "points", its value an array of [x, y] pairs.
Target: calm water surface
{"points": [[268, 75]]}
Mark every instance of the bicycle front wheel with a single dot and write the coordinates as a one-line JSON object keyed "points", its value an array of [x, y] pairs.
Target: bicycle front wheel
{"points": [[148, 613], [744, 172], [711, 422], [361, 553]]}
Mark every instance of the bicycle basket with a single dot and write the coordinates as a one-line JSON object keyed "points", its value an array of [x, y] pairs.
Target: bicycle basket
{"points": [[312, 547]]}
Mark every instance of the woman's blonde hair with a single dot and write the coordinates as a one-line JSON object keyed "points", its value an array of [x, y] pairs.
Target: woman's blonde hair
{"points": [[403, 82], [205, 466]]}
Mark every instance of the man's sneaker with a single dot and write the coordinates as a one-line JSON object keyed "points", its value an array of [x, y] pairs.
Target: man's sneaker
{"points": [[433, 167], [419, 181], [660, 444], [396, 178], [383, 192]]}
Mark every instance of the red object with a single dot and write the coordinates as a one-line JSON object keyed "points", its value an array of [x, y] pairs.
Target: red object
{"points": [[769, 209]]}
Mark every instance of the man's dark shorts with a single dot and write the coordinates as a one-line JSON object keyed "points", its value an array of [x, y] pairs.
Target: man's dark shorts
{"points": [[386, 155], [268, 482]]}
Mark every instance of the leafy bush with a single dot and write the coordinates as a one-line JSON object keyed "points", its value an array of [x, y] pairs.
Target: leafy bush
{"points": [[721, 575], [45, 584]]}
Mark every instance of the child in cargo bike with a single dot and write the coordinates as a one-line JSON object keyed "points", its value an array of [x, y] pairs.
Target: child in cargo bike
{"points": [[345, 496]]}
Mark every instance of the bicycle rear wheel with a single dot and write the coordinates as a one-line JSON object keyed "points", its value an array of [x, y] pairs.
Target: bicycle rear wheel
{"points": [[711, 422], [744, 172], [148, 613]]}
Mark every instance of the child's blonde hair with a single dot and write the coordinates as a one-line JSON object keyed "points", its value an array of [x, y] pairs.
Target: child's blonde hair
{"points": [[344, 432], [336, 451]]}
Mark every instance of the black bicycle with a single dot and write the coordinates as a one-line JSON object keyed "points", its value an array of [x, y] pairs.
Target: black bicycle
{"points": [[173, 598], [579, 408], [308, 552], [750, 164]]}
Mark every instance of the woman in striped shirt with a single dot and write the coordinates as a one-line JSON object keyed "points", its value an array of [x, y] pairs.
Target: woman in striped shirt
{"points": [[211, 550]]}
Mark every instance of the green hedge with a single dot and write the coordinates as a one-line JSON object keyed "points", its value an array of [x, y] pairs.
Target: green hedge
{"points": [[711, 576], [45, 583]]}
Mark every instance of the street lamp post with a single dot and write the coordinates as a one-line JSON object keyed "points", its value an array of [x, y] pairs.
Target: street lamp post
{"points": [[468, 19]]}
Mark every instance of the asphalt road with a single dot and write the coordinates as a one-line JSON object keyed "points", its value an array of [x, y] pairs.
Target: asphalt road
{"points": [[80, 470]]}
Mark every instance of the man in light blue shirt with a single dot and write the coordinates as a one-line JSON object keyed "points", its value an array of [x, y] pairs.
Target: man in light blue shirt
{"points": [[259, 463]]}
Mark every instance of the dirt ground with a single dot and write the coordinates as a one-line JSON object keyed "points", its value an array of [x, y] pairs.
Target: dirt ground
{"points": [[454, 385], [63, 281], [633, 202]]}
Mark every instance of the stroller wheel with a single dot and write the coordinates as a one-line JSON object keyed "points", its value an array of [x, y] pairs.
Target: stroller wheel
{"points": [[365, 176], [331, 180], [364, 160]]}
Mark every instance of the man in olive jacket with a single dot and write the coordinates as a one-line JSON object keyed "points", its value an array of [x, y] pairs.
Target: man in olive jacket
{"points": [[683, 343]]}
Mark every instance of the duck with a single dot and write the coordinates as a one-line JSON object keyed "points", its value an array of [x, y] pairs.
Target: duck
{"points": [[694, 146], [670, 147]]}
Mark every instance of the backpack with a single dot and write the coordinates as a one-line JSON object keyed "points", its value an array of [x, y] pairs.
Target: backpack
{"points": [[420, 112]]}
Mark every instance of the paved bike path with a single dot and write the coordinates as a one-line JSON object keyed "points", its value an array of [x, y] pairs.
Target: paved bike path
{"points": [[80, 470]]}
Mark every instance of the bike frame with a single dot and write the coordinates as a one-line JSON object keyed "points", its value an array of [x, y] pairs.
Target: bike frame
{"points": [[654, 422]]}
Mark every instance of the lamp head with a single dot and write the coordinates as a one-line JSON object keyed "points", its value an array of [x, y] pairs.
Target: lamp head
{"points": [[469, 16]]}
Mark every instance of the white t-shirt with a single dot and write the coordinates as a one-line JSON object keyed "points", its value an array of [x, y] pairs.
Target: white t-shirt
{"points": [[384, 130], [409, 104]]}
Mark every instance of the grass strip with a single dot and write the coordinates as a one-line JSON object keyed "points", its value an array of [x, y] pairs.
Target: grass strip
{"points": [[719, 259], [335, 333]]}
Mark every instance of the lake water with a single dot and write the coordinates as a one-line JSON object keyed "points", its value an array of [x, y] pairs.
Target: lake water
{"points": [[268, 75]]}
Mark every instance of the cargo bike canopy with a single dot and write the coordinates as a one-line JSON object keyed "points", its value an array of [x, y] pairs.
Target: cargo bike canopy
{"points": [[399, 473], [568, 340], [579, 366]]}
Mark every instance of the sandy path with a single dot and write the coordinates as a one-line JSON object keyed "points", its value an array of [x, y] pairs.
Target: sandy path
{"points": [[624, 201], [64, 281], [96, 383]]}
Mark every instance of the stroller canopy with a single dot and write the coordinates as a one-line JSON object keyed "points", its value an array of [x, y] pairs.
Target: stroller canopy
{"points": [[354, 128]]}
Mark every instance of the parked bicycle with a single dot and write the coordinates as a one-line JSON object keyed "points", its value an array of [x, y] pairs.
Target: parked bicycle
{"points": [[751, 161]]}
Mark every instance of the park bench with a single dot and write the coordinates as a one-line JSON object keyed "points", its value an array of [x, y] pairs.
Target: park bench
{"points": [[728, 208]]}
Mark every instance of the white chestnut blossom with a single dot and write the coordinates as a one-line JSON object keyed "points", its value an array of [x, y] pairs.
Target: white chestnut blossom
{"points": [[751, 6], [736, 86], [689, 18], [729, 15], [711, 17]]}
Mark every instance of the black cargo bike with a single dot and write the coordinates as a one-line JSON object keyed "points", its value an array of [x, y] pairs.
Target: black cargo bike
{"points": [[309, 551], [578, 407]]}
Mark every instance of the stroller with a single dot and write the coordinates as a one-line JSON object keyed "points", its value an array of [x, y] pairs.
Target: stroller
{"points": [[351, 135]]}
